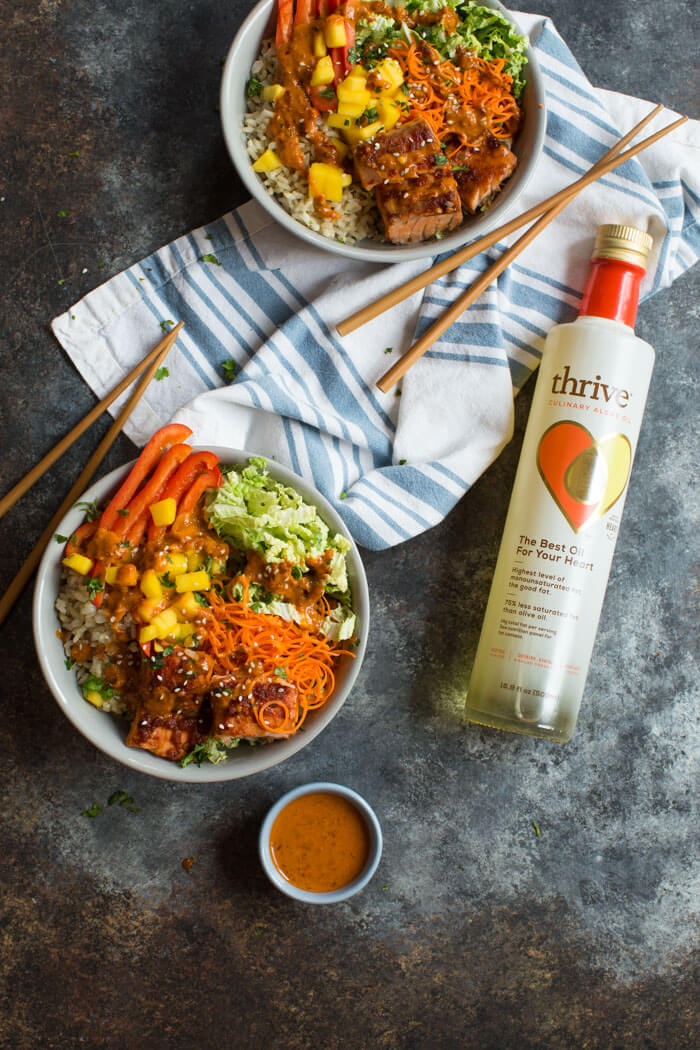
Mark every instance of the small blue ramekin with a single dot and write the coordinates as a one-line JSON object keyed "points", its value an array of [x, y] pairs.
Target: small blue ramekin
{"points": [[342, 894]]}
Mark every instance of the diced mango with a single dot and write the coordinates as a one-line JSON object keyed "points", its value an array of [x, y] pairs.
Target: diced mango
{"points": [[193, 581], [319, 45], [184, 632], [353, 91], [346, 179], [79, 562], [334, 31], [194, 560], [325, 180], [323, 72], [341, 147], [358, 72], [267, 161], [351, 110], [389, 72], [187, 606], [356, 134], [217, 566], [148, 609], [165, 623], [271, 92], [111, 573], [127, 575], [389, 112], [178, 563], [94, 697], [148, 634], [163, 512], [337, 120], [150, 585]]}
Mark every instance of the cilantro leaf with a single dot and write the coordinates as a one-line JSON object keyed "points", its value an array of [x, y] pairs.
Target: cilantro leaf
{"points": [[211, 259], [253, 88], [93, 811], [162, 373], [164, 325], [91, 511], [229, 368]]}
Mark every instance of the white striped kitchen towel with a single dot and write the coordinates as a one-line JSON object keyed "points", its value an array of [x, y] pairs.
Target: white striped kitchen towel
{"points": [[250, 292]]}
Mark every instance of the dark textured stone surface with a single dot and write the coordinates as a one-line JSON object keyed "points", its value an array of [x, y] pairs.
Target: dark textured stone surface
{"points": [[475, 932]]}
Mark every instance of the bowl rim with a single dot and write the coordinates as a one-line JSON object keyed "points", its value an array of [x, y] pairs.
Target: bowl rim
{"points": [[496, 215], [89, 720], [357, 884]]}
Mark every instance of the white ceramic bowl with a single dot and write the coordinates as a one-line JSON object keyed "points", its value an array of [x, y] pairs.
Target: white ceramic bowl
{"points": [[528, 146], [375, 845], [108, 732]]}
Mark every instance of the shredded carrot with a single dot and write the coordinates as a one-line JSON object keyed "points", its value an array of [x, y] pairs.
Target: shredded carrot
{"points": [[262, 646], [441, 92]]}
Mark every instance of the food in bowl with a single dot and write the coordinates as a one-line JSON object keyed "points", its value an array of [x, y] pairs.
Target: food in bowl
{"points": [[208, 605], [389, 123]]}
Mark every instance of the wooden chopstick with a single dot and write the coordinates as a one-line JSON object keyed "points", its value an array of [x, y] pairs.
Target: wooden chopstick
{"points": [[50, 458], [17, 586], [397, 295], [472, 294]]}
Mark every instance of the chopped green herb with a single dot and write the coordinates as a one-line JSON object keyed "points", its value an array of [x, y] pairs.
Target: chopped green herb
{"points": [[229, 368], [60, 539], [102, 265], [371, 114], [166, 580], [253, 88], [123, 511], [346, 123], [327, 92], [537, 830], [93, 811], [164, 325], [198, 754], [61, 281], [62, 213], [94, 684], [162, 373], [440, 159], [388, 350], [122, 797], [91, 511], [280, 672], [94, 586], [69, 662], [211, 259], [343, 494], [401, 462], [397, 394], [297, 572], [75, 153], [201, 599]]}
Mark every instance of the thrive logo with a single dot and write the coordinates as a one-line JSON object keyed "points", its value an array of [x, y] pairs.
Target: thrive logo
{"points": [[599, 391]]}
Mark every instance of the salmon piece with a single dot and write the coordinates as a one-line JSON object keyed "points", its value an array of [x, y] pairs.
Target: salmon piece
{"points": [[233, 707], [418, 209], [170, 736], [397, 154], [485, 169]]}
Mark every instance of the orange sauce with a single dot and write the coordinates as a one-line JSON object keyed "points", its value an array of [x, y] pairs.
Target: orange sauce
{"points": [[319, 842]]}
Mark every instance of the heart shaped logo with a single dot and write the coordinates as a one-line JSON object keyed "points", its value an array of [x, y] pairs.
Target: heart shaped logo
{"points": [[585, 477]]}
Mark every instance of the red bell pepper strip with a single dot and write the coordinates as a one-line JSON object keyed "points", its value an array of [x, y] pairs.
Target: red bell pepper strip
{"points": [[196, 463], [303, 15], [321, 102], [285, 18], [82, 533], [211, 480], [133, 525], [173, 434]]}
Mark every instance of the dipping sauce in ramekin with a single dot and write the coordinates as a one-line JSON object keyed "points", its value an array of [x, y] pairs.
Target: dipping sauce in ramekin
{"points": [[320, 843]]}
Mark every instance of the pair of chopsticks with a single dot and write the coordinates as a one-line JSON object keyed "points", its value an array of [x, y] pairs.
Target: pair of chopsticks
{"points": [[544, 212], [152, 363]]}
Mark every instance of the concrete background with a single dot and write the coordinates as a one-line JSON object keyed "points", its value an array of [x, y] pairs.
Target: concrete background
{"points": [[475, 932]]}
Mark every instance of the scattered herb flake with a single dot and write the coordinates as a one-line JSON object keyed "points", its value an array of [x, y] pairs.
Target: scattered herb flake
{"points": [[91, 511], [69, 662], [102, 265], [401, 462], [93, 811], [343, 494], [62, 213], [229, 368], [164, 325], [162, 373], [535, 826], [280, 672], [60, 539], [61, 281], [123, 511], [297, 572], [120, 797], [253, 88], [440, 159], [94, 586], [75, 153], [201, 599], [210, 258], [388, 350]]}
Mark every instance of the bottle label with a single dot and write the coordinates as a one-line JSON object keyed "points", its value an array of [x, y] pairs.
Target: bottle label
{"points": [[585, 477]]}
